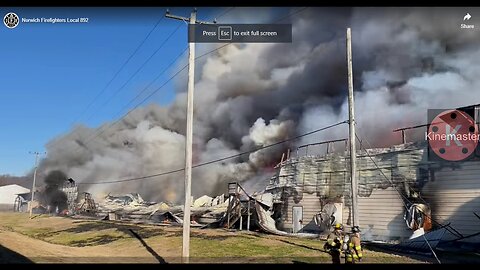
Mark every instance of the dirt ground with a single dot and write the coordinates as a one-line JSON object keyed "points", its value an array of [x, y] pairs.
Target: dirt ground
{"points": [[46, 239]]}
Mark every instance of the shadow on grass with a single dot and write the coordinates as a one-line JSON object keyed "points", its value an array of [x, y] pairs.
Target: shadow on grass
{"points": [[95, 241], [100, 239], [10, 256], [149, 249], [98, 226], [200, 236]]}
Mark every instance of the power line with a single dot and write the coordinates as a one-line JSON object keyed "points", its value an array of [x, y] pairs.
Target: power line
{"points": [[147, 97], [224, 13], [121, 68], [95, 136], [138, 104], [276, 21], [291, 14], [402, 198], [118, 71], [188, 135], [137, 71], [218, 160], [156, 78], [151, 56], [183, 68], [399, 193]]}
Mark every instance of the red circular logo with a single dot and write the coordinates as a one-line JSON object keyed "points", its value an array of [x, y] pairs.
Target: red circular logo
{"points": [[453, 135]]}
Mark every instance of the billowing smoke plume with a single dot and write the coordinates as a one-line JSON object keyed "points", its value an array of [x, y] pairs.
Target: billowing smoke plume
{"points": [[251, 95], [54, 198]]}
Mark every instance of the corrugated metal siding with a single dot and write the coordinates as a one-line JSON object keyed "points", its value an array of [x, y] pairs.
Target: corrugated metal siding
{"points": [[287, 218], [454, 195], [6, 207], [381, 216], [328, 177], [311, 206], [288, 211], [347, 215]]}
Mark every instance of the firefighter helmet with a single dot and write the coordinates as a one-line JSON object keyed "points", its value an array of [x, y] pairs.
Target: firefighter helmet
{"points": [[355, 229], [338, 226]]}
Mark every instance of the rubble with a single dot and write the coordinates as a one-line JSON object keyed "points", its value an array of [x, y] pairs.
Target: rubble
{"points": [[131, 206], [129, 203], [87, 205], [203, 201]]}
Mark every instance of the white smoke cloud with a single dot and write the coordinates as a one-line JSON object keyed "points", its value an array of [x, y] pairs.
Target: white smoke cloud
{"points": [[263, 134]]}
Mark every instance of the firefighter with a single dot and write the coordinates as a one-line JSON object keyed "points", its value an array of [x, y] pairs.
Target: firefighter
{"points": [[334, 243], [354, 248]]}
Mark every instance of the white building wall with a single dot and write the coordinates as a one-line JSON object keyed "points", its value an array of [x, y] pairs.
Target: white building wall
{"points": [[8, 195], [454, 194], [380, 216]]}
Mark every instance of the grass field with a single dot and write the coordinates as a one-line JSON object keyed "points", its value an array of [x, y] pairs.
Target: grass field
{"points": [[57, 239]]}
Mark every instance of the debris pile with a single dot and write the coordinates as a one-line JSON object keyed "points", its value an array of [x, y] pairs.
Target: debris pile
{"points": [[132, 207], [87, 205], [208, 210]]}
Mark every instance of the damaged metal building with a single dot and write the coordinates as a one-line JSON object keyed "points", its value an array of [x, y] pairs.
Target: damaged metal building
{"points": [[400, 190]]}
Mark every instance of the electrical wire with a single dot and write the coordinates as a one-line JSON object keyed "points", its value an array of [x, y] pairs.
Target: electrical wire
{"points": [[137, 71], [402, 197], [224, 13], [216, 160], [116, 74], [183, 68], [120, 69]]}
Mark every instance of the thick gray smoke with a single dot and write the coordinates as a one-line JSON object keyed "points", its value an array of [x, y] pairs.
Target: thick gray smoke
{"points": [[250, 95]]}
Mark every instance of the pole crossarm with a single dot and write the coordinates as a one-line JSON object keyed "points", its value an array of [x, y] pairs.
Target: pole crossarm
{"points": [[185, 19]]}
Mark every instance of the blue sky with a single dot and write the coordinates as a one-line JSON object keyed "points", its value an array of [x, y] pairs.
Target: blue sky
{"points": [[51, 72]]}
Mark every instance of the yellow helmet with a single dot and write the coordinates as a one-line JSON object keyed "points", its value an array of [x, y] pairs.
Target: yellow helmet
{"points": [[338, 226]]}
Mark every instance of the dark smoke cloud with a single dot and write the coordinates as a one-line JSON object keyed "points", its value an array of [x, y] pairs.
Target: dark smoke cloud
{"points": [[405, 61], [52, 196]]}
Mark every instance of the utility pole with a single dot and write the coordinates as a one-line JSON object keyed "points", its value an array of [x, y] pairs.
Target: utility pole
{"points": [[189, 136], [351, 117], [34, 179]]}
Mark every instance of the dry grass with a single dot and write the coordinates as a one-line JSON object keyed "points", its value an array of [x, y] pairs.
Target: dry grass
{"points": [[56, 239]]}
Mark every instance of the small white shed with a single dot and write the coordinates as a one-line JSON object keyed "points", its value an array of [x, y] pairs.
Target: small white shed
{"points": [[8, 194]]}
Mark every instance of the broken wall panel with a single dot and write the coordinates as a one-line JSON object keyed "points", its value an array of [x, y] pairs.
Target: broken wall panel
{"points": [[454, 194], [310, 203], [381, 216]]}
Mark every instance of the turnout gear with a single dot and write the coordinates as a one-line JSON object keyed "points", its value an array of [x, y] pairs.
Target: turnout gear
{"points": [[354, 249], [334, 243]]}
